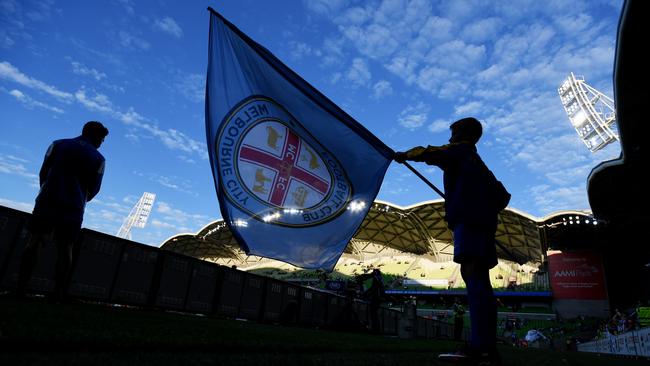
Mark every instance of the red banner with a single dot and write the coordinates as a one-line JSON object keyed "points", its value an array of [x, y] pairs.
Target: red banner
{"points": [[576, 275]]}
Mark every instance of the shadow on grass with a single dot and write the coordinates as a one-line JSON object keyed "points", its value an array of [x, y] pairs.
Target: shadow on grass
{"points": [[34, 332]]}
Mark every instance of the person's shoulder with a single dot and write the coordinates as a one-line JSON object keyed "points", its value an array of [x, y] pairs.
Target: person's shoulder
{"points": [[464, 147], [99, 156], [460, 150], [87, 146], [63, 142]]}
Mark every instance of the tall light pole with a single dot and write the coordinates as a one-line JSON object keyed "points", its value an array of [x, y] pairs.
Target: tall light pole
{"points": [[138, 215], [591, 112]]}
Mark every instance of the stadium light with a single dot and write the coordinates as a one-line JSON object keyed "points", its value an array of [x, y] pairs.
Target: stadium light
{"points": [[138, 216], [356, 206], [590, 112]]}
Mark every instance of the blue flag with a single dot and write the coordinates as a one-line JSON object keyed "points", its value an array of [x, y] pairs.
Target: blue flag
{"points": [[295, 175]]}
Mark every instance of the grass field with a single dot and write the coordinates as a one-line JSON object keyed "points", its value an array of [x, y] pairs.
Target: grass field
{"points": [[34, 332]]}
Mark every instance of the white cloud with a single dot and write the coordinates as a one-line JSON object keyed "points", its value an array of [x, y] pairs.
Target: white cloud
{"points": [[163, 225], [508, 81], [128, 6], [175, 183], [552, 155], [99, 102], [436, 29], [81, 69], [13, 165], [403, 66], [431, 78], [381, 89], [111, 204], [458, 56], [110, 216], [467, 109], [169, 26], [375, 41], [22, 206], [332, 51], [358, 73], [413, 117], [40, 10], [172, 138], [5, 40], [191, 86], [300, 49], [354, 16], [439, 125], [185, 159], [29, 102], [482, 30], [129, 40], [574, 23], [325, 7], [11, 73], [179, 219], [552, 199]]}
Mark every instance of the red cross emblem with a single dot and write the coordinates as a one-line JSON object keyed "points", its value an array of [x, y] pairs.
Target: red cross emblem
{"points": [[285, 166]]}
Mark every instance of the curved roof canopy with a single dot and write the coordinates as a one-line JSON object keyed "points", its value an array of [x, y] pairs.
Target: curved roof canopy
{"points": [[419, 229]]}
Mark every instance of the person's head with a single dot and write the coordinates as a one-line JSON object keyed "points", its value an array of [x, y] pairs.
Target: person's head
{"points": [[466, 130], [95, 132]]}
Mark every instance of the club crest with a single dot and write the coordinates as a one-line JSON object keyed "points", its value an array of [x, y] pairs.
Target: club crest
{"points": [[272, 168]]}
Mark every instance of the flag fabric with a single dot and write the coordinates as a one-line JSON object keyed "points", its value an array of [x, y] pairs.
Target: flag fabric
{"points": [[295, 175]]}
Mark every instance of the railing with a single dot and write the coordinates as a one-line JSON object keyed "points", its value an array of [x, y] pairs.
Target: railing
{"points": [[633, 343], [113, 270]]}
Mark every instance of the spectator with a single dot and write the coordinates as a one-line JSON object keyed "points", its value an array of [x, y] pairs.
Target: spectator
{"points": [[71, 176]]}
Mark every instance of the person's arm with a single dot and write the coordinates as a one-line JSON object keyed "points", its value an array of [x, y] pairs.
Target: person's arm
{"points": [[47, 162], [95, 182], [432, 155]]}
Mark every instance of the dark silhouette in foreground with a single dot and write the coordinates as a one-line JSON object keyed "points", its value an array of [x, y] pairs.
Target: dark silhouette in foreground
{"points": [[70, 176], [473, 199]]}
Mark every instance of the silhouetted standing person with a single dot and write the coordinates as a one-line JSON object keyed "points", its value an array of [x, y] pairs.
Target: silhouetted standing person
{"points": [[373, 294], [70, 176], [473, 199]]}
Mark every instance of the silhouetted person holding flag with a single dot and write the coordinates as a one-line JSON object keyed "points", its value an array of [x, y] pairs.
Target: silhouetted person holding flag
{"points": [[70, 176], [473, 199]]}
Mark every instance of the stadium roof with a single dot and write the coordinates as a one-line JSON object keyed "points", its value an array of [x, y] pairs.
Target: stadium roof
{"points": [[419, 229]]}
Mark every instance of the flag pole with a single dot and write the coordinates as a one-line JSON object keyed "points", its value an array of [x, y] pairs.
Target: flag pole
{"points": [[425, 180]]}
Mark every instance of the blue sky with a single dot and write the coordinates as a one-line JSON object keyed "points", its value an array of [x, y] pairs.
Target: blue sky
{"points": [[403, 69]]}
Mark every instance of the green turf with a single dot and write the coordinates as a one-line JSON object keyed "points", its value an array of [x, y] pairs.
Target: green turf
{"points": [[35, 332]]}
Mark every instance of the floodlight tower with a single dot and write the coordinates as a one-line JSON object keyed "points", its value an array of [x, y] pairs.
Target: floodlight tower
{"points": [[138, 216], [591, 112]]}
